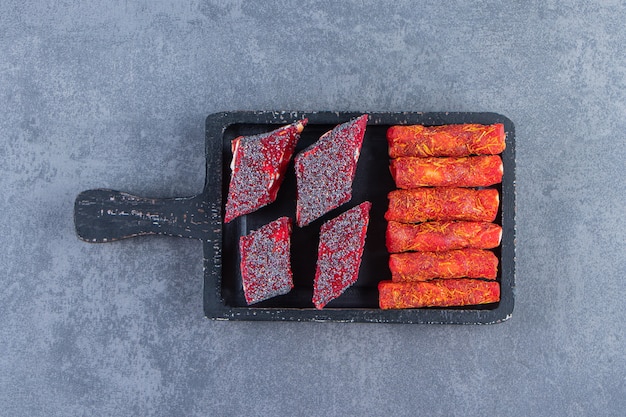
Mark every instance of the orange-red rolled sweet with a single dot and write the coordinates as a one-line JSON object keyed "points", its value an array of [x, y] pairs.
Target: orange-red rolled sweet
{"points": [[446, 140], [442, 203], [440, 236], [470, 171], [437, 293], [424, 266]]}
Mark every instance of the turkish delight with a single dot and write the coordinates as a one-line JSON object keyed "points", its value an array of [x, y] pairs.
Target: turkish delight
{"points": [[442, 203], [341, 244], [325, 170], [446, 140], [439, 236], [265, 261], [461, 263], [469, 171], [258, 168], [437, 293]]}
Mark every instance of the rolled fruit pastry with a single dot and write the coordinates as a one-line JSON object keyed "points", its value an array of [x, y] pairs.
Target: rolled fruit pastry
{"points": [[424, 266], [442, 203], [437, 293], [446, 140], [440, 236], [469, 171]]}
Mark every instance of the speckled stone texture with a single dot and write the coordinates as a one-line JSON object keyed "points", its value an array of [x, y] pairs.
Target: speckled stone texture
{"points": [[114, 94]]}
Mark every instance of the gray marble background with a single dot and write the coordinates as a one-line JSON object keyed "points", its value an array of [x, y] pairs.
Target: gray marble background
{"points": [[115, 93]]}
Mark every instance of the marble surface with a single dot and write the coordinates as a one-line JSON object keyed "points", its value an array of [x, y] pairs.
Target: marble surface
{"points": [[115, 93]]}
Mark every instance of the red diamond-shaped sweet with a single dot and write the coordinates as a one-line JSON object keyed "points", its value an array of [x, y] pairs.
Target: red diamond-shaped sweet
{"points": [[265, 263], [326, 169], [342, 240], [258, 168]]}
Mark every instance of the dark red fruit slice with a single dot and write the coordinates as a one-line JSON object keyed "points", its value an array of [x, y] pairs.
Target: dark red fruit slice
{"points": [[339, 255], [258, 168], [265, 262], [326, 169]]}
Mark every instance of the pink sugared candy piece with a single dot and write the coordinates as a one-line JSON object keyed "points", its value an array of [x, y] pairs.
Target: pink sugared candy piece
{"points": [[326, 169], [258, 168], [339, 255], [265, 263]]}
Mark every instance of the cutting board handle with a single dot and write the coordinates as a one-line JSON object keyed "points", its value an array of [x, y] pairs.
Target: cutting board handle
{"points": [[103, 215]]}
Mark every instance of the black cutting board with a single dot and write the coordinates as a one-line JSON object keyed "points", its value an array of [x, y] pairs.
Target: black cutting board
{"points": [[107, 215]]}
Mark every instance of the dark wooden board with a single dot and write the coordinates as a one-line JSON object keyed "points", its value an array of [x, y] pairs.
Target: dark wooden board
{"points": [[98, 219]]}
